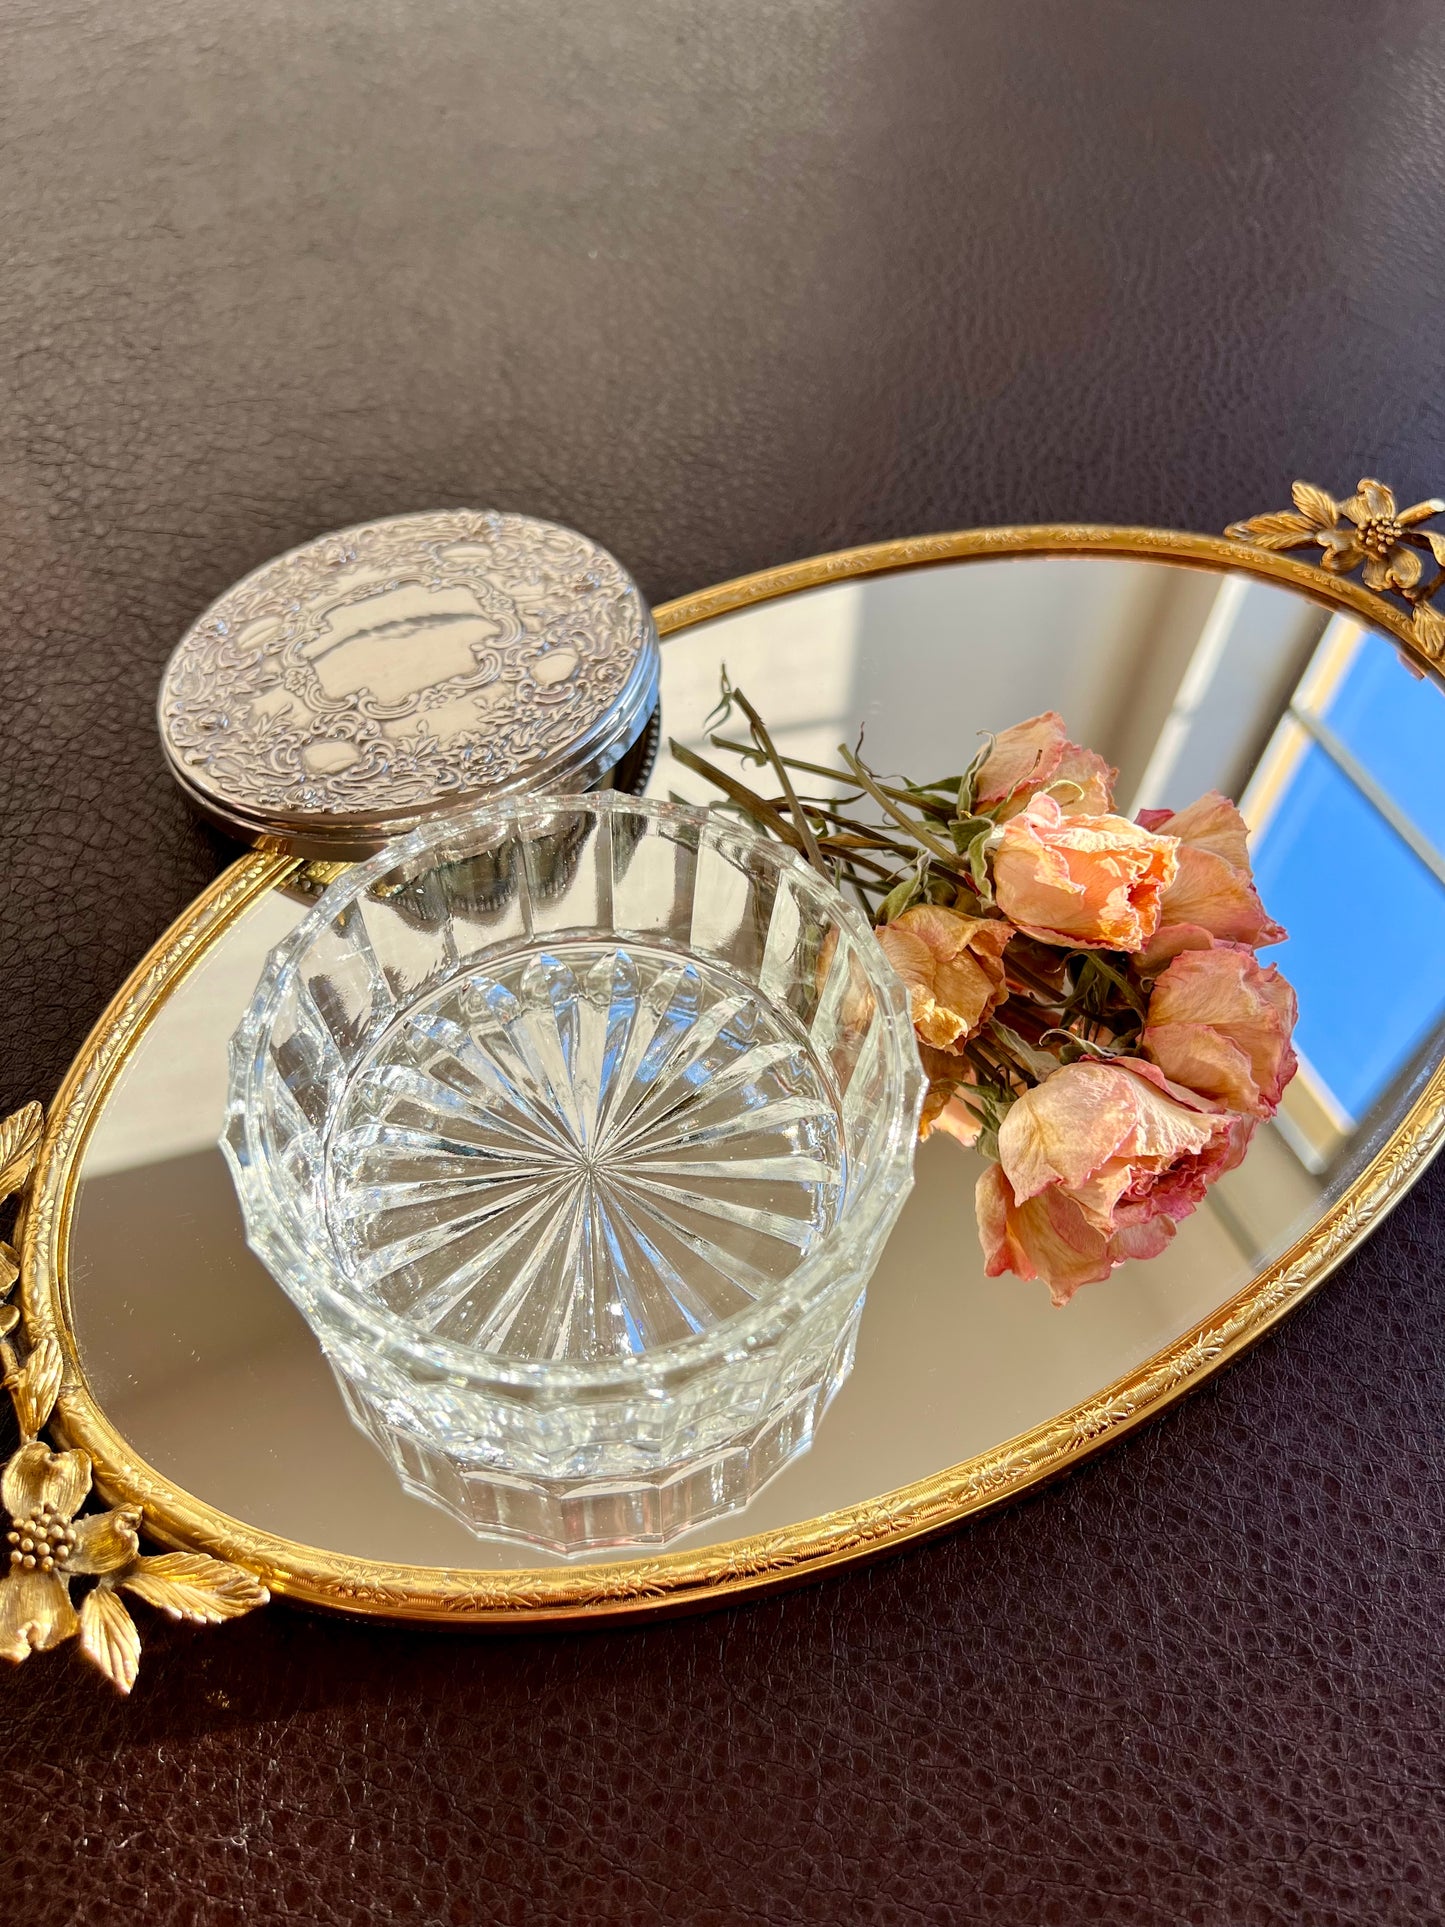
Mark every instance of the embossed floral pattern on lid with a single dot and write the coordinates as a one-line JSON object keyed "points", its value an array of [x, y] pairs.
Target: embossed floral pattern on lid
{"points": [[405, 669]]}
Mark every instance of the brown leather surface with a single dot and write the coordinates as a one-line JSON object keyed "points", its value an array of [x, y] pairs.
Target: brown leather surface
{"points": [[724, 285]]}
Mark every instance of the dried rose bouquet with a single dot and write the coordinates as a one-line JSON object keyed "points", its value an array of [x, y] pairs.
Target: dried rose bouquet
{"points": [[1085, 992]]}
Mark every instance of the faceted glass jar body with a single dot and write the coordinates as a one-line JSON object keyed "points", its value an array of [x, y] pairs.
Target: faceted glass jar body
{"points": [[575, 1128]]}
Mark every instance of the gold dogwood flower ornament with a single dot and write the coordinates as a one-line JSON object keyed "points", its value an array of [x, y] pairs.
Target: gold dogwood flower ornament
{"points": [[1367, 531], [50, 1543], [49, 1546]]}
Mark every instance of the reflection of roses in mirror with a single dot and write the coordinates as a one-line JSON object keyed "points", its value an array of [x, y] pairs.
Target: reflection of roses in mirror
{"points": [[1089, 1009]]}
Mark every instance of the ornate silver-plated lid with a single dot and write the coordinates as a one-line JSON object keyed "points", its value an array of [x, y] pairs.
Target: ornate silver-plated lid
{"points": [[400, 670]]}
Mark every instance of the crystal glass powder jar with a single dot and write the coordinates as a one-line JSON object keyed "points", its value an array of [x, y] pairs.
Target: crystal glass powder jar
{"points": [[575, 1128]]}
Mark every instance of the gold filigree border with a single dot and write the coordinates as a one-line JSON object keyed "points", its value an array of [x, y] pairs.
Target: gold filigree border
{"points": [[679, 1581]]}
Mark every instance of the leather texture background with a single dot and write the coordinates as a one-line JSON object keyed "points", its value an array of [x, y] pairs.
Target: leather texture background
{"points": [[724, 285]]}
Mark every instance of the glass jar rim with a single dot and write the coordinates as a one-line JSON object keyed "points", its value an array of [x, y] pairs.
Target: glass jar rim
{"points": [[391, 1335]]}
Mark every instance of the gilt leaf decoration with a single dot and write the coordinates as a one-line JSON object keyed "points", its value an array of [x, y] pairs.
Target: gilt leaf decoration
{"points": [[108, 1637], [191, 1585], [1429, 627], [19, 1141], [1282, 529], [1319, 509], [35, 1385]]}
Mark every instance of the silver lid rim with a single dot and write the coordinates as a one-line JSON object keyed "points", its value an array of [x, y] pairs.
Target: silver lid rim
{"points": [[576, 765]]}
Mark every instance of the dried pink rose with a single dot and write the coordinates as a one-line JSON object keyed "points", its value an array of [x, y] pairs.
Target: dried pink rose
{"points": [[1033, 754], [1212, 897], [1220, 1023], [1051, 1237], [1111, 1156], [953, 967], [1086, 882]]}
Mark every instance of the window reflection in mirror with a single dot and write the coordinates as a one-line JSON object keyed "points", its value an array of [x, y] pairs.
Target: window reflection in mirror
{"points": [[1347, 819]]}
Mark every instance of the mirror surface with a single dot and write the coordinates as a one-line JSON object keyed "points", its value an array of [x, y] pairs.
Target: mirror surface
{"points": [[1187, 679]]}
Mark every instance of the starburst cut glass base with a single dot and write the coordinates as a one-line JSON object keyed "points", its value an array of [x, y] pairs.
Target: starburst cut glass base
{"points": [[575, 1131], [584, 1152]]}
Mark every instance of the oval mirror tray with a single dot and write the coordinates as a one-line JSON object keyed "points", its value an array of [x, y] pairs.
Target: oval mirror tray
{"points": [[1191, 663]]}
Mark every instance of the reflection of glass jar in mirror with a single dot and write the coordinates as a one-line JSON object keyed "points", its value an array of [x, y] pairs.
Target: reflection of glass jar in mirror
{"points": [[401, 670]]}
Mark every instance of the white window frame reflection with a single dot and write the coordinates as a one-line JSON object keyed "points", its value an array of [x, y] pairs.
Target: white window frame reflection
{"points": [[1318, 1127]]}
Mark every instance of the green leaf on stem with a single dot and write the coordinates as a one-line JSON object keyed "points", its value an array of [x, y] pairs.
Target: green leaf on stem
{"points": [[723, 708], [1117, 979], [963, 829], [798, 815], [1038, 1063], [978, 864], [1076, 1047], [918, 831], [902, 897], [968, 782]]}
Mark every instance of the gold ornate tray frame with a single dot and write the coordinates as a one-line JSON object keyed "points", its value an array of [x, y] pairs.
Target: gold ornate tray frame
{"points": [[689, 1580]]}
